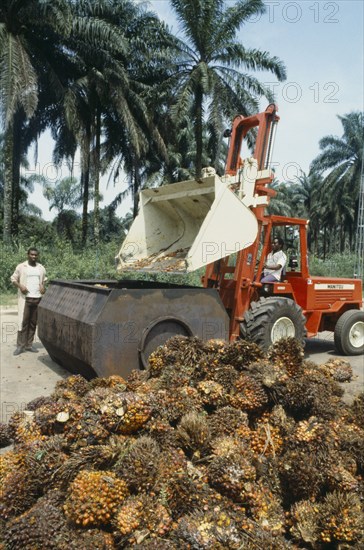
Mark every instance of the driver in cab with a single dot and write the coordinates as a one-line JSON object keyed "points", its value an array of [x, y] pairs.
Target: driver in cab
{"points": [[275, 262]]}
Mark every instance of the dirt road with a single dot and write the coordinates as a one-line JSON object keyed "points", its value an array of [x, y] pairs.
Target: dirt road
{"points": [[31, 375]]}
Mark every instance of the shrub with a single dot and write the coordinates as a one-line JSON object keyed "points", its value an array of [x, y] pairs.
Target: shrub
{"points": [[61, 261], [337, 265]]}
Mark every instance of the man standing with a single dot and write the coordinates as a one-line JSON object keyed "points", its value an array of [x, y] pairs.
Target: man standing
{"points": [[276, 261], [29, 278]]}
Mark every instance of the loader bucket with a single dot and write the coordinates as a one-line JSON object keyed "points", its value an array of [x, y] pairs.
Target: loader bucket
{"points": [[184, 226], [100, 328]]}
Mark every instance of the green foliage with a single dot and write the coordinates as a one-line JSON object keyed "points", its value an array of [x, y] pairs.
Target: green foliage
{"points": [[62, 261], [337, 265], [35, 230]]}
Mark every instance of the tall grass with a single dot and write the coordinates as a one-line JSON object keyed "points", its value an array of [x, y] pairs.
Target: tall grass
{"points": [[62, 262]]}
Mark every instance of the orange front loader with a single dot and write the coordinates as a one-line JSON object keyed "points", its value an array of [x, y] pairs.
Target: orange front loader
{"points": [[299, 305]]}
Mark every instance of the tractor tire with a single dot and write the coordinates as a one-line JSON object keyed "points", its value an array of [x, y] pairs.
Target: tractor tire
{"points": [[271, 319], [349, 333]]}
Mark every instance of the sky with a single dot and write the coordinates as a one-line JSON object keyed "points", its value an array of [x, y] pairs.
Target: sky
{"points": [[321, 44]]}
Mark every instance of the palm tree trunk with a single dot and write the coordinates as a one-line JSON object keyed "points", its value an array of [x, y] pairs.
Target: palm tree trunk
{"points": [[198, 131], [136, 186], [8, 184], [324, 250], [85, 181], [342, 240], [97, 177], [17, 151]]}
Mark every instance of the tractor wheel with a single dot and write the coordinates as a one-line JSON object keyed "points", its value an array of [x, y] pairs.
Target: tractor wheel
{"points": [[349, 333], [271, 319]]}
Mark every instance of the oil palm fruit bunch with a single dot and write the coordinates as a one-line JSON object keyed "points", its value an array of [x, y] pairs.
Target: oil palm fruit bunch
{"points": [[116, 382], [357, 410], [22, 427], [155, 543], [351, 440], [5, 438], [338, 369], [180, 493], [226, 420], [18, 492], [212, 393], [288, 354], [93, 498], [265, 439], [129, 516], [161, 431], [47, 417], [302, 521], [42, 526], [341, 479], [93, 400], [229, 474], [173, 405], [141, 514], [304, 474], [212, 528], [138, 466], [228, 447], [71, 388], [240, 354], [248, 395], [87, 430], [19, 489], [311, 394], [43, 460], [341, 519], [97, 539], [226, 375], [173, 376], [136, 379], [311, 434], [178, 350], [265, 507], [273, 378], [215, 347], [124, 412], [193, 434], [173, 462]]}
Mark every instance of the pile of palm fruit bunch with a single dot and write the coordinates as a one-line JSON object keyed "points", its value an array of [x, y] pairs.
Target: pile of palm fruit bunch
{"points": [[215, 446]]}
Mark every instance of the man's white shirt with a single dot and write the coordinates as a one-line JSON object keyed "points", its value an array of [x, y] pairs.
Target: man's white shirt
{"points": [[276, 258], [33, 281]]}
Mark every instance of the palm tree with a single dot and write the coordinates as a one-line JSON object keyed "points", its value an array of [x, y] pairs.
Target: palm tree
{"points": [[212, 69], [281, 204], [28, 31], [131, 119], [64, 196], [306, 197], [340, 164]]}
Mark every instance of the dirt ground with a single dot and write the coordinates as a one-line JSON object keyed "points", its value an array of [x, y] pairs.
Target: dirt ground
{"points": [[31, 375]]}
